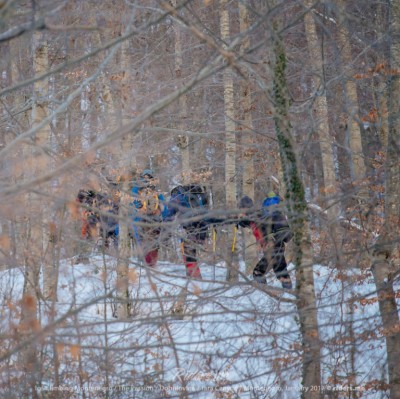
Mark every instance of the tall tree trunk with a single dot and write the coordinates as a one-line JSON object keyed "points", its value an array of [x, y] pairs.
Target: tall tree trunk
{"points": [[111, 103], [321, 122], [183, 140], [388, 246], [382, 97], [298, 216], [19, 120], [247, 140], [358, 168], [124, 247], [124, 242], [42, 160], [230, 145], [37, 219], [39, 157]]}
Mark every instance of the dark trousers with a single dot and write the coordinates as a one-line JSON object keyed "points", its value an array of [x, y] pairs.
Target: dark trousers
{"points": [[273, 257], [195, 237], [189, 250], [109, 236]]}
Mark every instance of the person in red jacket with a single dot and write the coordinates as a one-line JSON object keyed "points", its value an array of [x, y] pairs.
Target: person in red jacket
{"points": [[271, 230]]}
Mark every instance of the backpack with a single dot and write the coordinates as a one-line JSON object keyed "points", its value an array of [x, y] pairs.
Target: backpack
{"points": [[268, 204], [149, 201], [191, 196], [277, 223]]}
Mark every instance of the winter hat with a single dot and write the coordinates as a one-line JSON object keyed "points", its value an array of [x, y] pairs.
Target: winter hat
{"points": [[271, 194], [272, 199], [246, 202], [147, 172]]}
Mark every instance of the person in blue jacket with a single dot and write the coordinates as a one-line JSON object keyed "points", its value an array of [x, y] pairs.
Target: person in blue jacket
{"points": [[148, 210], [272, 231], [190, 204]]}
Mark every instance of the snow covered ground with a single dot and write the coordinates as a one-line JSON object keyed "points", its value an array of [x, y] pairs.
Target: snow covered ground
{"points": [[232, 340]]}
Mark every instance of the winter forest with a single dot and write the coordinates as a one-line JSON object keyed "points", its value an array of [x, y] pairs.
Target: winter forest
{"points": [[300, 98]]}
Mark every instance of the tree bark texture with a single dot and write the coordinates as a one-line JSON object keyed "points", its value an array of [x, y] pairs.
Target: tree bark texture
{"points": [[126, 176], [321, 126], [298, 217], [387, 249], [320, 110], [247, 141], [230, 143], [358, 168], [183, 140]]}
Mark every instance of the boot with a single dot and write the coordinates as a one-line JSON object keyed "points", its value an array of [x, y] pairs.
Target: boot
{"points": [[151, 257], [259, 278], [82, 258], [193, 271], [286, 282]]}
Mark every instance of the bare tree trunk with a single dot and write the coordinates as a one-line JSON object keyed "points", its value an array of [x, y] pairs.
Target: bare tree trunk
{"points": [[5, 231], [124, 242], [358, 168], [126, 176], [298, 216], [124, 249], [230, 145], [321, 108], [112, 104], [382, 96], [385, 265], [247, 141], [246, 119], [382, 271], [35, 254], [41, 162], [183, 140], [321, 121]]}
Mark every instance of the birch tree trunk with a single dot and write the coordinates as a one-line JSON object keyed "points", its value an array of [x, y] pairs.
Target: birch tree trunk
{"points": [[38, 166], [386, 260], [299, 221], [230, 145], [41, 161], [247, 141]]}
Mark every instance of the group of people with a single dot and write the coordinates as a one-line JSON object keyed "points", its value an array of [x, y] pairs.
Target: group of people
{"points": [[150, 212]]}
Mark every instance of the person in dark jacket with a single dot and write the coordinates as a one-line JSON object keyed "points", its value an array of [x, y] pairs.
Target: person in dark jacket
{"points": [[90, 217], [271, 230], [109, 206], [190, 204], [87, 200], [147, 212]]}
